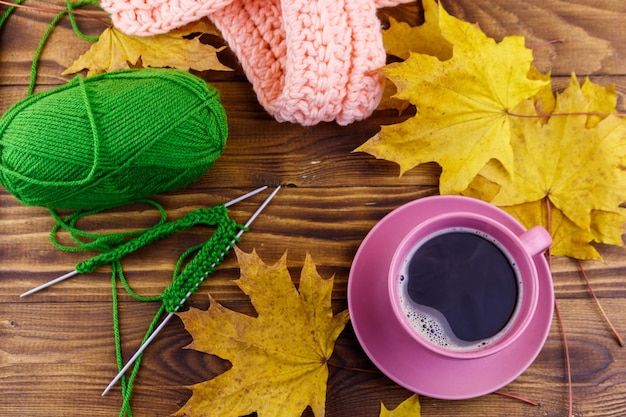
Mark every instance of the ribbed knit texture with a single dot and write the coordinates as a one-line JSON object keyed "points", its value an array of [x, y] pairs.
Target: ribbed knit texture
{"points": [[309, 61], [110, 139]]}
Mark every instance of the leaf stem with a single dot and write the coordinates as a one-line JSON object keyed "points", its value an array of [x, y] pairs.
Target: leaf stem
{"points": [[595, 298], [560, 321], [567, 360], [582, 113], [349, 368], [550, 42], [517, 397], [56, 10]]}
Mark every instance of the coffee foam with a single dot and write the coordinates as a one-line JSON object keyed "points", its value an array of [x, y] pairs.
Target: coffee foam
{"points": [[430, 324]]}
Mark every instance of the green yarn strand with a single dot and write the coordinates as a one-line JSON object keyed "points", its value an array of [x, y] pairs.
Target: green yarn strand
{"points": [[115, 268], [129, 290], [126, 383], [8, 12], [73, 6], [100, 242], [42, 42]]}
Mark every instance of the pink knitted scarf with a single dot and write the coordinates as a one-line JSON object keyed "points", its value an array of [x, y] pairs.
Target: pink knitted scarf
{"points": [[309, 61]]}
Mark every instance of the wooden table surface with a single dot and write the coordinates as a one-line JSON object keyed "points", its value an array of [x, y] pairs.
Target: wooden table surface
{"points": [[57, 348]]}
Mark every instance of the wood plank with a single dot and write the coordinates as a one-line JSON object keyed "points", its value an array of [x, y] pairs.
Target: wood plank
{"points": [[540, 22], [296, 222], [582, 28], [61, 356]]}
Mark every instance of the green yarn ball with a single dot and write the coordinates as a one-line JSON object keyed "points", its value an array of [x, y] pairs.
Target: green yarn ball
{"points": [[111, 139]]}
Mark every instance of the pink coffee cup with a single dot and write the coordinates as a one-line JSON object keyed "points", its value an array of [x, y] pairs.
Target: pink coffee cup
{"points": [[465, 286]]}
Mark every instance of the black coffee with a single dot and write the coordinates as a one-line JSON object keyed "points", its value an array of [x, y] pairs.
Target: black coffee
{"points": [[460, 282]]}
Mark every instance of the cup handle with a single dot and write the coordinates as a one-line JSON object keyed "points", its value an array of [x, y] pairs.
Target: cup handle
{"points": [[536, 240]]}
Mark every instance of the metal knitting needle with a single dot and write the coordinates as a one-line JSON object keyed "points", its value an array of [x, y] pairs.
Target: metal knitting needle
{"points": [[170, 315], [71, 274]]}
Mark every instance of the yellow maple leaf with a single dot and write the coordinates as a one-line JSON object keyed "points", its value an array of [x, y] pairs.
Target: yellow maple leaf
{"points": [[544, 99], [463, 105], [389, 102], [608, 227], [601, 100], [401, 38], [279, 359], [569, 239], [116, 50], [408, 408], [578, 168]]}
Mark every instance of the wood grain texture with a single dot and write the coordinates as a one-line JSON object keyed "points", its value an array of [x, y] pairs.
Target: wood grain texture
{"points": [[56, 348], [589, 34]]}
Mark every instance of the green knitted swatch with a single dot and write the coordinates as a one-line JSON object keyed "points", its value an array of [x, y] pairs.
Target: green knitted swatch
{"points": [[193, 267]]}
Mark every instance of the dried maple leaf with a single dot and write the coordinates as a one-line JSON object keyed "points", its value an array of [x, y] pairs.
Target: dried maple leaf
{"points": [[408, 408], [401, 38], [463, 104], [544, 99], [116, 50], [575, 157], [578, 168], [279, 359], [390, 102], [569, 239], [600, 100]]}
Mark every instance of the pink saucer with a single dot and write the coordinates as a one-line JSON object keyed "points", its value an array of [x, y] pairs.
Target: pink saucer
{"points": [[401, 358]]}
